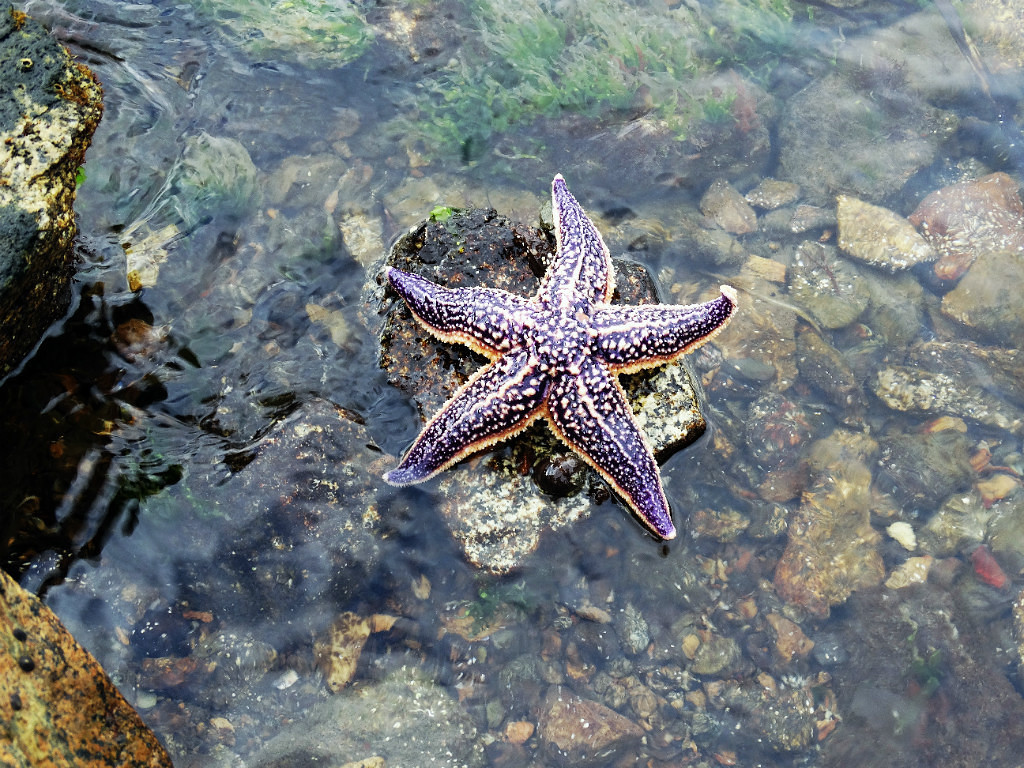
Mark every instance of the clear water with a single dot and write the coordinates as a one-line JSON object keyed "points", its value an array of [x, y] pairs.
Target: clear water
{"points": [[248, 175]]}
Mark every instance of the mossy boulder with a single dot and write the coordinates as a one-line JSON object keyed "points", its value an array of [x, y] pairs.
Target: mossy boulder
{"points": [[49, 108]]}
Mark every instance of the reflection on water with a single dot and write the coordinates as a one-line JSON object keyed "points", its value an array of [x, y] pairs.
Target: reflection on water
{"points": [[194, 462]]}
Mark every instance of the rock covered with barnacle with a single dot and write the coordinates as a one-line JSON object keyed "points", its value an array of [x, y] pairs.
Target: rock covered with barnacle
{"points": [[971, 219]]}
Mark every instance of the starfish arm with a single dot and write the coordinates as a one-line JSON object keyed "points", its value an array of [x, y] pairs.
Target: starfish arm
{"points": [[582, 274], [590, 414], [486, 320], [500, 400], [630, 338]]}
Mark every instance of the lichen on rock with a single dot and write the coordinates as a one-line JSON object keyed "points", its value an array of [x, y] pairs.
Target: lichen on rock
{"points": [[49, 108], [57, 706]]}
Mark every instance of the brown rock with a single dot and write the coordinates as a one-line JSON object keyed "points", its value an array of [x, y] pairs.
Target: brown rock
{"points": [[579, 732], [519, 731], [790, 640], [964, 220], [832, 548], [57, 706]]}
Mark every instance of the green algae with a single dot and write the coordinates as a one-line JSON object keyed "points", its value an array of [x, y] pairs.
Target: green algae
{"points": [[321, 32], [604, 61]]}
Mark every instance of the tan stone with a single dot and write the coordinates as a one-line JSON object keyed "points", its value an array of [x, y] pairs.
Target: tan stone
{"points": [[337, 652], [790, 642], [57, 706], [519, 731], [912, 571]]}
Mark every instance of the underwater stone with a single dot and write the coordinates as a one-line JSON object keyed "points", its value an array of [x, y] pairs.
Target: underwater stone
{"points": [[727, 208], [879, 237], [407, 719], [969, 219], [987, 299], [903, 388], [580, 732], [827, 285], [832, 549], [836, 137]]}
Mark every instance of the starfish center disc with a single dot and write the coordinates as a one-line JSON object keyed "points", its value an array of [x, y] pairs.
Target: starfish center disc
{"points": [[562, 342]]}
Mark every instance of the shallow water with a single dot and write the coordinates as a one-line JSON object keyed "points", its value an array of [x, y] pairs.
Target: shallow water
{"points": [[239, 196]]}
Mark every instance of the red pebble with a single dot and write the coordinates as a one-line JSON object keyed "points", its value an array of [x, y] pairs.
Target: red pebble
{"points": [[987, 568]]}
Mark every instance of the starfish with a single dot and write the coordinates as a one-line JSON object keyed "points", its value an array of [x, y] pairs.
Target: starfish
{"points": [[556, 356]]}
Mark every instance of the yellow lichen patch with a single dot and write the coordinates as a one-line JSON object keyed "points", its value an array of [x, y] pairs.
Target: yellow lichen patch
{"points": [[58, 706]]}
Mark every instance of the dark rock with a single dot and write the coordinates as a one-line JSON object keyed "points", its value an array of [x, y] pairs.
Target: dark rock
{"points": [[923, 469], [825, 367], [920, 684], [49, 108], [58, 706], [300, 521], [783, 719]]}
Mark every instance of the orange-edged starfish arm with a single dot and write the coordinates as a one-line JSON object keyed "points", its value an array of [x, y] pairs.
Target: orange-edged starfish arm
{"points": [[590, 414], [632, 338], [500, 400], [486, 320]]}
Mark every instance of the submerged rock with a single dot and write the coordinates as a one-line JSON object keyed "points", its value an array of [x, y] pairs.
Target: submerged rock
{"points": [[987, 300], [49, 109], [727, 208], [996, 369], [827, 285], [838, 137], [918, 391], [576, 731], [825, 367], [405, 719], [59, 707], [832, 549], [770, 194], [922, 469], [917, 660], [765, 331], [289, 523], [879, 237], [778, 717], [967, 220], [332, 34]]}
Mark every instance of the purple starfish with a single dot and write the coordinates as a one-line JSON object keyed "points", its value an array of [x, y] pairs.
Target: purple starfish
{"points": [[556, 356]]}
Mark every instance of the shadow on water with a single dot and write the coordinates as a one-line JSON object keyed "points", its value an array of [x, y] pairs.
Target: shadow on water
{"points": [[193, 456]]}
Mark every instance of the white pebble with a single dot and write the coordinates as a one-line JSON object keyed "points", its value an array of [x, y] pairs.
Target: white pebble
{"points": [[904, 534]]}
